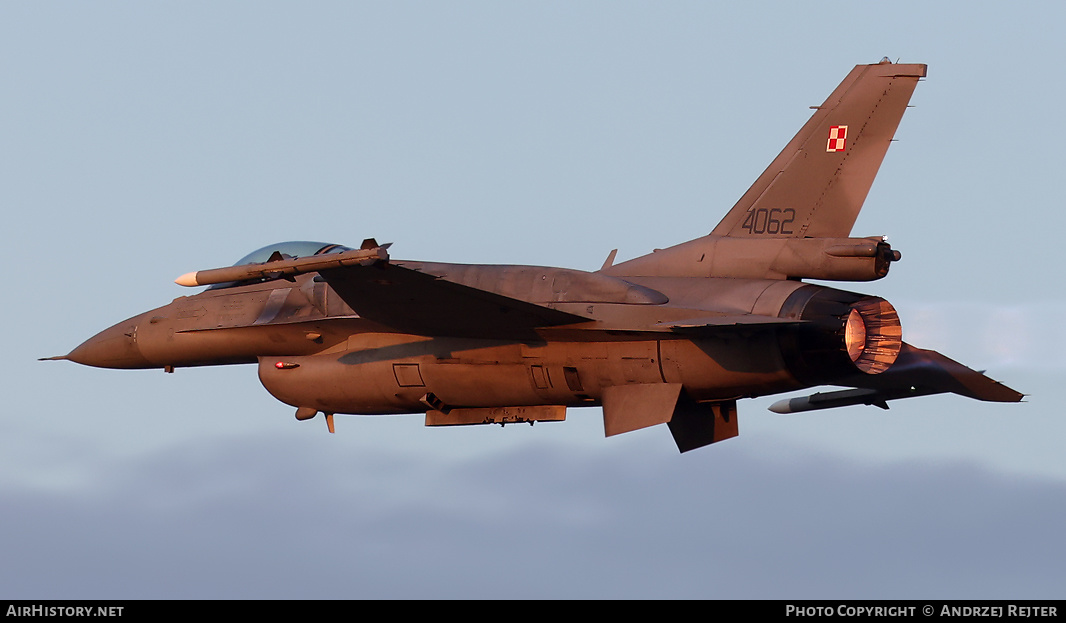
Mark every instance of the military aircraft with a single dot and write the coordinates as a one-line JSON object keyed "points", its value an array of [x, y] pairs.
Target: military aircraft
{"points": [[674, 337]]}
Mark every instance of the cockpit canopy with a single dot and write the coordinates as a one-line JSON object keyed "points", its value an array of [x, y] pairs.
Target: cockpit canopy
{"points": [[288, 250]]}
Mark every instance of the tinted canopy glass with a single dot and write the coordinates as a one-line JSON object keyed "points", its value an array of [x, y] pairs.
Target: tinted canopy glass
{"points": [[291, 249]]}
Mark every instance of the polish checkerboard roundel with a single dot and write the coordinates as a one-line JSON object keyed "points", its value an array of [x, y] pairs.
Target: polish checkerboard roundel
{"points": [[837, 136]]}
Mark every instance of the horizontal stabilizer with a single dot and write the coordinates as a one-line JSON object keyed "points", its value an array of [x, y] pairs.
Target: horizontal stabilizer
{"points": [[929, 372], [414, 302], [916, 372]]}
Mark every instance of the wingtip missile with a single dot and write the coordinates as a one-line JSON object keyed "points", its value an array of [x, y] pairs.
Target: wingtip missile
{"points": [[285, 268], [188, 280]]}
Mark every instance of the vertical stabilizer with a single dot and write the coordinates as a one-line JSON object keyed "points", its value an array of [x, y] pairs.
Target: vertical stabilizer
{"points": [[817, 184]]}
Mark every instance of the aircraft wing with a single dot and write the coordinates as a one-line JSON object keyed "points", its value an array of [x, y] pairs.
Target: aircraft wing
{"points": [[415, 302], [916, 372]]}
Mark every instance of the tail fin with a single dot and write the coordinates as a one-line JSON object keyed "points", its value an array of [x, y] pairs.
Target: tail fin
{"points": [[817, 184]]}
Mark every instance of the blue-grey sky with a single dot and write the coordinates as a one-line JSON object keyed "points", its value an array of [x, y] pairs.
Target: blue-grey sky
{"points": [[140, 141]]}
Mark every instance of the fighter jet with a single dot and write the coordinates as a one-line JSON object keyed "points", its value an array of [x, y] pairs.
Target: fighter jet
{"points": [[674, 337]]}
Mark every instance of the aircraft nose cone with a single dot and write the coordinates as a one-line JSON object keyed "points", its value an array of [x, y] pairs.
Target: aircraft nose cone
{"points": [[115, 347]]}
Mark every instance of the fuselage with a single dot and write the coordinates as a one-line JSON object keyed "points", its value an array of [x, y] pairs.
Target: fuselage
{"points": [[314, 351]]}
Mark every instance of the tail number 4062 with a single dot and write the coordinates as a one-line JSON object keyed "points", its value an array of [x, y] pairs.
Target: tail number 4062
{"points": [[770, 221]]}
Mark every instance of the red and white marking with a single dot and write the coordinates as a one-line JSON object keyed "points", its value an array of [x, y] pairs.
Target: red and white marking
{"points": [[837, 136]]}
